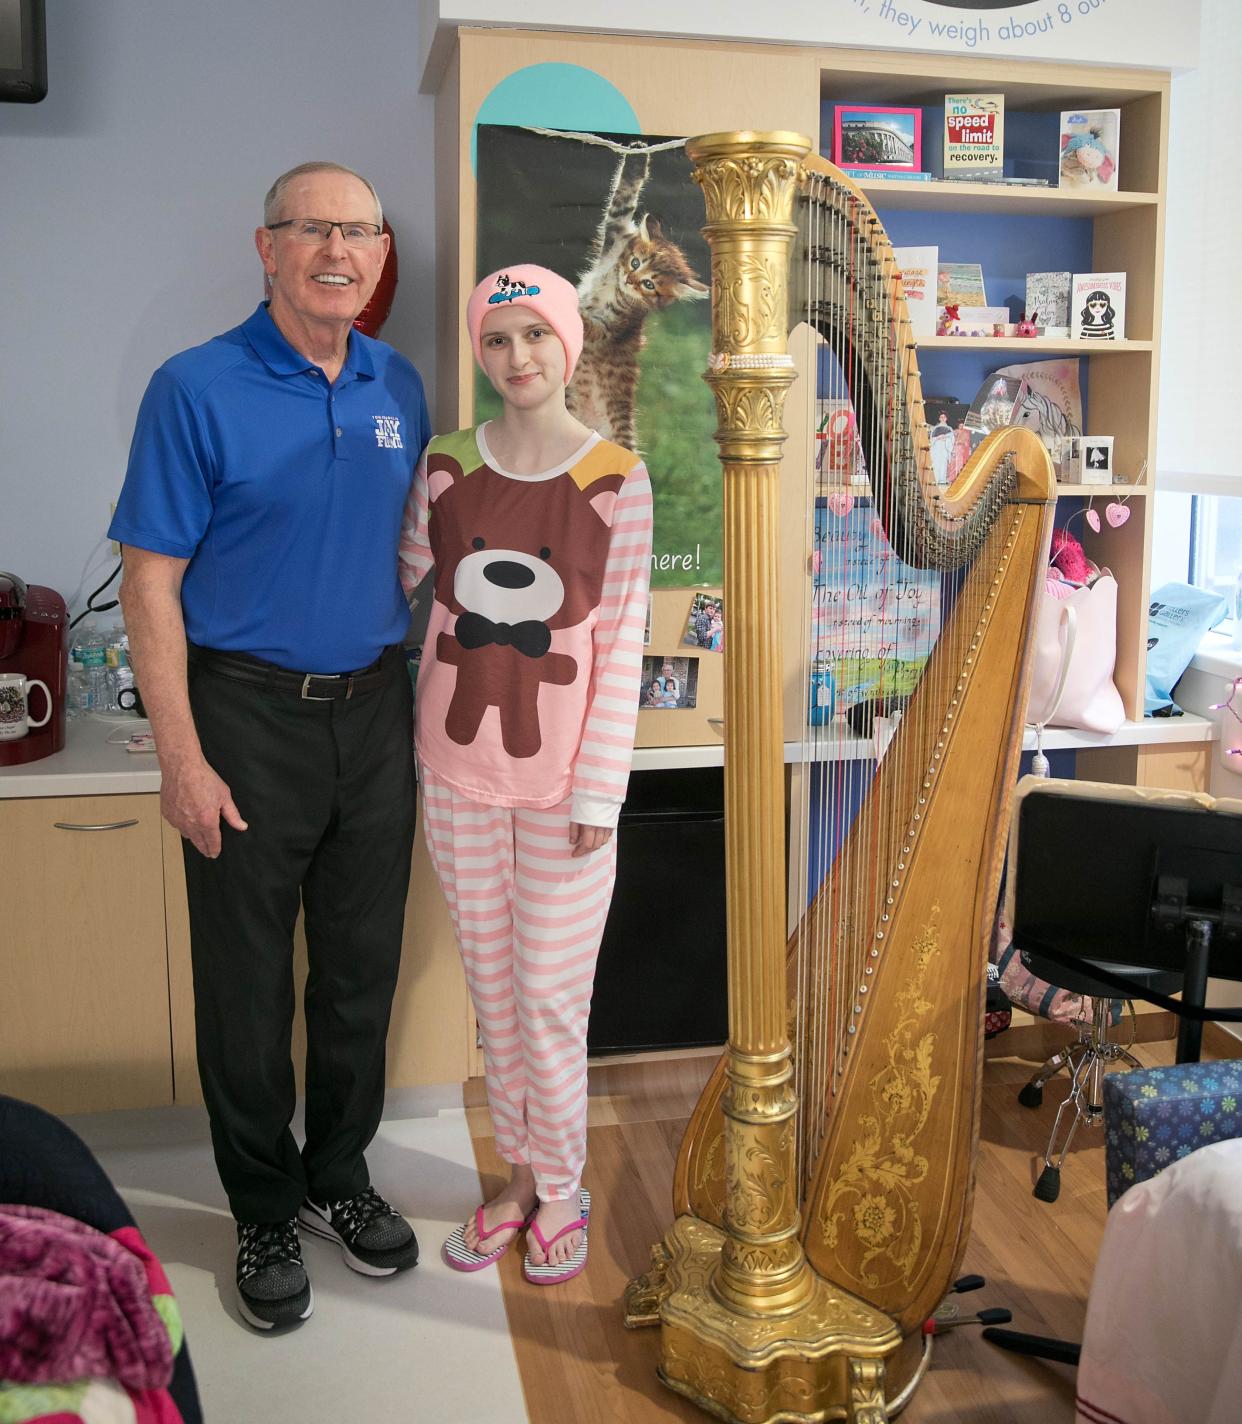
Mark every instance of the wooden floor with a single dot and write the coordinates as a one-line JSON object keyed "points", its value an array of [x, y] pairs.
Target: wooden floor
{"points": [[578, 1362]]}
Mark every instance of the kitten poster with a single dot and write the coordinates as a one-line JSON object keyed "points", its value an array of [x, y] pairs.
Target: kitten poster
{"points": [[546, 199]]}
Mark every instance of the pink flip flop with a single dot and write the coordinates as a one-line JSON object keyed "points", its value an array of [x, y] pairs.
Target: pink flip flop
{"points": [[552, 1275], [460, 1256]]}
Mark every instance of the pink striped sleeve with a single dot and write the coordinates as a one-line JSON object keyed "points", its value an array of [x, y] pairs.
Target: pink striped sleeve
{"points": [[602, 767], [414, 550]]}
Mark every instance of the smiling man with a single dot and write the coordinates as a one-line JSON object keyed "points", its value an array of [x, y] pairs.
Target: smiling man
{"points": [[260, 517]]}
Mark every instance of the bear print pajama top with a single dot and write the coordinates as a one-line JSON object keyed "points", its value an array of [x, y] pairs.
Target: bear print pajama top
{"points": [[529, 683], [527, 698]]}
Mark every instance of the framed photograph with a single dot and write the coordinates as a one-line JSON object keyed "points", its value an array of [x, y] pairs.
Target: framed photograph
{"points": [[864, 136], [668, 683], [705, 625], [1095, 459]]}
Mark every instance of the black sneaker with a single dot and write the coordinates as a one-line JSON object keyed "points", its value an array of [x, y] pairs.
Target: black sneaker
{"points": [[272, 1286], [375, 1239]]}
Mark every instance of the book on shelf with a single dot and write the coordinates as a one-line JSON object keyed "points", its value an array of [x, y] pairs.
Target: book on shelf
{"points": [[997, 181], [918, 277], [974, 135], [1098, 306], [1047, 298], [960, 284], [870, 175], [1088, 155]]}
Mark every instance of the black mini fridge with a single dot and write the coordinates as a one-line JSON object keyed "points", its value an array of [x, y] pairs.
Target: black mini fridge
{"points": [[662, 978]]}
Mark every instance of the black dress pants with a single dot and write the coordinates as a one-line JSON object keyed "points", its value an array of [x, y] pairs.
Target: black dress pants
{"points": [[327, 790]]}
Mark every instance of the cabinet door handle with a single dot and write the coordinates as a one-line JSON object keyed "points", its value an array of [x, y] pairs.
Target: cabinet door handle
{"points": [[106, 826]]}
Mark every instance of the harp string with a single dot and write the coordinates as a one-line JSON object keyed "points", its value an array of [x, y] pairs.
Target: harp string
{"points": [[855, 839]]}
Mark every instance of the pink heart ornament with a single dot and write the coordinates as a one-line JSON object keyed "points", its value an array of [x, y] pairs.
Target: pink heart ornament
{"points": [[1116, 514], [1093, 519], [840, 502]]}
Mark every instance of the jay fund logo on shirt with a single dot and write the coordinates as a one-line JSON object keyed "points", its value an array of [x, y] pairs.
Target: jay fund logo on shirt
{"points": [[388, 432]]}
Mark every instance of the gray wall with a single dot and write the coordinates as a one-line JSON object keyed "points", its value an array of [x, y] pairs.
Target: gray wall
{"points": [[128, 200]]}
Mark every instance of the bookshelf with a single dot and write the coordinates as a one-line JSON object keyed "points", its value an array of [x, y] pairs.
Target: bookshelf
{"points": [[687, 87]]}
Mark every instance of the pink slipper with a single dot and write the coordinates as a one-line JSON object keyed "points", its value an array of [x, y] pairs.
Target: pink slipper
{"points": [[552, 1275], [460, 1256]]}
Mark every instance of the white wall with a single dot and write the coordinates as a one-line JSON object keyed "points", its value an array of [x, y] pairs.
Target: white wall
{"points": [[127, 203], [1203, 233]]}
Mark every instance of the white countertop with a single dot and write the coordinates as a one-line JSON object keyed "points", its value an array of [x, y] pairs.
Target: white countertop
{"points": [[88, 765], [92, 766]]}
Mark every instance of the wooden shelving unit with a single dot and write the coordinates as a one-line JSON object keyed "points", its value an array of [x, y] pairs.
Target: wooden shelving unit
{"points": [[1038, 345], [1015, 200], [687, 87]]}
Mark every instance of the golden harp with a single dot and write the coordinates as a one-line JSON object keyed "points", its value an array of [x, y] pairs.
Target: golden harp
{"points": [[823, 1190]]}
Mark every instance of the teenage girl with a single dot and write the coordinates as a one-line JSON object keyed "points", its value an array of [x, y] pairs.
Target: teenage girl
{"points": [[539, 533]]}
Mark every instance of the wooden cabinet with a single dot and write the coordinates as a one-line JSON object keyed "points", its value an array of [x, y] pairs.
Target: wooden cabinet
{"points": [[96, 992], [430, 1038], [83, 960]]}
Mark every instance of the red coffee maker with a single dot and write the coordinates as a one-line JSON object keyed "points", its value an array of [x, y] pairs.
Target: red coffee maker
{"points": [[33, 624]]}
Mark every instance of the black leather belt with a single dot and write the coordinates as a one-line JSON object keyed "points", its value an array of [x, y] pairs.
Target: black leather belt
{"points": [[309, 686]]}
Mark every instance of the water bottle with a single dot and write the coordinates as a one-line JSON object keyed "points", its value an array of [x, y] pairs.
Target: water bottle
{"points": [[91, 654]]}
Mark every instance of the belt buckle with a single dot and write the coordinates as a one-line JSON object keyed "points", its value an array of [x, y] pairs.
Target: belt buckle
{"points": [[309, 696]]}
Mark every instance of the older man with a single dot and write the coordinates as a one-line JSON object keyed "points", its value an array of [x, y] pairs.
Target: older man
{"points": [[260, 517]]}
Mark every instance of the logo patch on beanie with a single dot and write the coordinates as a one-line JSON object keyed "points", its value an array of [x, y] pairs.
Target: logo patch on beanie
{"points": [[510, 287]]}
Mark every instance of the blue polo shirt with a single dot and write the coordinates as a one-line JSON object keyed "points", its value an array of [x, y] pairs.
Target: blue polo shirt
{"points": [[285, 494]]}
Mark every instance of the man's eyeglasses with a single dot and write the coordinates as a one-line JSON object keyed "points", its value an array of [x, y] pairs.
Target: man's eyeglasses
{"points": [[316, 231]]}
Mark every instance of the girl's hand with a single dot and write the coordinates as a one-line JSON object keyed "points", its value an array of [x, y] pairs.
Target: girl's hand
{"points": [[585, 839]]}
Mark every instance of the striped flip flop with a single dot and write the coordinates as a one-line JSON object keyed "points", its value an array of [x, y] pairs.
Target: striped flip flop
{"points": [[553, 1275], [462, 1258]]}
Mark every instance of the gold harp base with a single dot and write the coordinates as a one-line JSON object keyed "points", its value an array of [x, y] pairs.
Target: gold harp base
{"points": [[826, 1361]]}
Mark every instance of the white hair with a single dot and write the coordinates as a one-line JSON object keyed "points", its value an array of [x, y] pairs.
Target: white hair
{"points": [[276, 193]]}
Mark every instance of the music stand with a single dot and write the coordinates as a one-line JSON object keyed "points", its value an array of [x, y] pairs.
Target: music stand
{"points": [[1123, 875]]}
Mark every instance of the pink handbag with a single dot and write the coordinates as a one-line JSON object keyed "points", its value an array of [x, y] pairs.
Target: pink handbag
{"points": [[1075, 653]]}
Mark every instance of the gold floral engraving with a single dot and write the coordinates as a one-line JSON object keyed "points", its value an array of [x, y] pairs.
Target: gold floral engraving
{"points": [[749, 302], [758, 1176], [758, 1368], [873, 1196], [645, 1293], [749, 409], [867, 1392], [756, 188]]}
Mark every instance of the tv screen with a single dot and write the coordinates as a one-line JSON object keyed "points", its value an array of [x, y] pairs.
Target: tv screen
{"points": [[23, 53]]}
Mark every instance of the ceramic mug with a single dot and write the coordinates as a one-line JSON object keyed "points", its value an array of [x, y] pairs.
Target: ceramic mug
{"points": [[15, 719]]}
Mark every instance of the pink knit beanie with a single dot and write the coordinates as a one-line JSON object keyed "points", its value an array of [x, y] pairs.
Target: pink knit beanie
{"points": [[546, 294]]}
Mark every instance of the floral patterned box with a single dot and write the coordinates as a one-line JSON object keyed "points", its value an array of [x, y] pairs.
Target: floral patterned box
{"points": [[1153, 1116]]}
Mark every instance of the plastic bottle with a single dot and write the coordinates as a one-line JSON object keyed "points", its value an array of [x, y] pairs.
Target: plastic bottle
{"points": [[91, 654]]}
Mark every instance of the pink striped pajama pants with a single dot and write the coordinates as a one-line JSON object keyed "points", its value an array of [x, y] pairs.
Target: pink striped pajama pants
{"points": [[528, 919]]}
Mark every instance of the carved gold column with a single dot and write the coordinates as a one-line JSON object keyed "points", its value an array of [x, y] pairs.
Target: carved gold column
{"points": [[747, 1329], [749, 196]]}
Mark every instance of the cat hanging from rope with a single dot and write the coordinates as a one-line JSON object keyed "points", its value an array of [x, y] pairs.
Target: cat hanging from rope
{"points": [[633, 270]]}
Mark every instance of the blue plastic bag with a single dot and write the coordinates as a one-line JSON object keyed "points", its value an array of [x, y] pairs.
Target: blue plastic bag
{"points": [[1179, 616]]}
